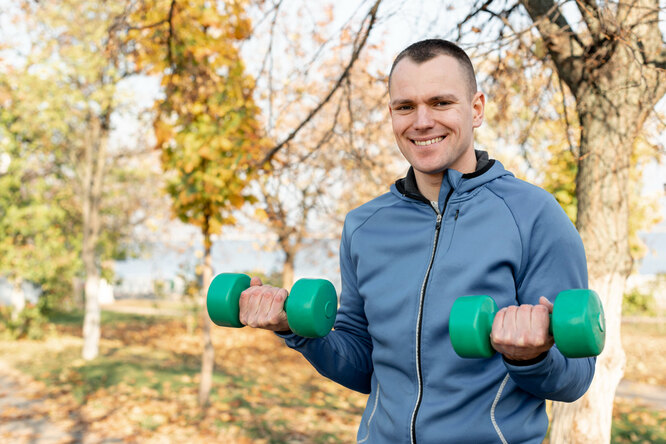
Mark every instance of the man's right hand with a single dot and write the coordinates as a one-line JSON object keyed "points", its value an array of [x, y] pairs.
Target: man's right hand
{"points": [[262, 306]]}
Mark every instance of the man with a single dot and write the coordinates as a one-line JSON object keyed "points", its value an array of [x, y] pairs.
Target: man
{"points": [[458, 224]]}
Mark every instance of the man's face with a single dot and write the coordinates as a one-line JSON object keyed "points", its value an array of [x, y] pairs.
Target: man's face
{"points": [[434, 115]]}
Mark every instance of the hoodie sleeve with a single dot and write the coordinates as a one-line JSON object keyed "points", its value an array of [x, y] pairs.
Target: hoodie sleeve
{"points": [[553, 261], [344, 355]]}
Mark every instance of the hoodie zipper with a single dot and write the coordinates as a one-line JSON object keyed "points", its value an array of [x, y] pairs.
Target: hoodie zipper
{"points": [[438, 226]]}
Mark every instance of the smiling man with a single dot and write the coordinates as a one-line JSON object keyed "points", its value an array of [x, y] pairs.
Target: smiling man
{"points": [[434, 109], [458, 224]]}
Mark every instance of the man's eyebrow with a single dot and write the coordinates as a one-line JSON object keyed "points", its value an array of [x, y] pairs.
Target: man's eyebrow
{"points": [[439, 98], [444, 98], [399, 102]]}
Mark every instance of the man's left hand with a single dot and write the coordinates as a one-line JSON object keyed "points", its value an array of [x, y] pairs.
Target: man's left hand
{"points": [[520, 332]]}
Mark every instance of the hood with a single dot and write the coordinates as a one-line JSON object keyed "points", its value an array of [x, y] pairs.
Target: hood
{"points": [[454, 181]]}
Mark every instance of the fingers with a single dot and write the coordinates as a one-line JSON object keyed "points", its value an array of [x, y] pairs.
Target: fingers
{"points": [[521, 332], [276, 314], [255, 281], [540, 321], [547, 303], [262, 306]]}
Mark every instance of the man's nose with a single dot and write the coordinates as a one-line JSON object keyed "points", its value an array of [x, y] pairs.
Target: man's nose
{"points": [[424, 118]]}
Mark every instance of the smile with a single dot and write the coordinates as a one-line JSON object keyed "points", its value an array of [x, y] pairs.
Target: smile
{"points": [[428, 142]]}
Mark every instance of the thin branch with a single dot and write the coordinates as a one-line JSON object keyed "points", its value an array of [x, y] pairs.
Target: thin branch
{"points": [[527, 132], [471, 15], [328, 135], [372, 16], [269, 51], [567, 123], [170, 36], [564, 46], [589, 10]]}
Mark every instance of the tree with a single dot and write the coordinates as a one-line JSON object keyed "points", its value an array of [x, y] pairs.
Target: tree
{"points": [[358, 41], [206, 126], [612, 62], [343, 155], [80, 61], [34, 226]]}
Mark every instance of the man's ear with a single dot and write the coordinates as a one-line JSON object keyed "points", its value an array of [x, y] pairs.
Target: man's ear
{"points": [[478, 108]]}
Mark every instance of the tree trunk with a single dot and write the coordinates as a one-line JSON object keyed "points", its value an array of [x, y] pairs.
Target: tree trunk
{"points": [[288, 269], [17, 298], [612, 107], [208, 354], [93, 175], [92, 318], [589, 419]]}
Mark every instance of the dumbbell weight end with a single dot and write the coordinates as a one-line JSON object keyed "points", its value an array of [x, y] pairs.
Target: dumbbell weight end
{"points": [[470, 325], [578, 323], [311, 307], [223, 297]]}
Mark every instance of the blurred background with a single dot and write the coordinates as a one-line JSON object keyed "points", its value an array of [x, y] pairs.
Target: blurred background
{"points": [[146, 146]]}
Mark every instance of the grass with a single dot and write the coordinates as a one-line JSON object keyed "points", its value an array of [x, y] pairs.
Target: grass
{"points": [[143, 386], [149, 366], [109, 318], [633, 423], [644, 343]]}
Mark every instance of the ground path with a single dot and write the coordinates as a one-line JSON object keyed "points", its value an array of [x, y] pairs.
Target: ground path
{"points": [[22, 419], [25, 419]]}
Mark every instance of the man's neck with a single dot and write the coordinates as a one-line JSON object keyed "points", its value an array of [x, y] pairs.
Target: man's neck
{"points": [[429, 184]]}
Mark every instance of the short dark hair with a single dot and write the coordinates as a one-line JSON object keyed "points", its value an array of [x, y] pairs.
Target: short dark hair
{"points": [[425, 50]]}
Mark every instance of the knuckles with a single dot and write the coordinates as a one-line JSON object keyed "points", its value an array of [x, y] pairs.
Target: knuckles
{"points": [[257, 307]]}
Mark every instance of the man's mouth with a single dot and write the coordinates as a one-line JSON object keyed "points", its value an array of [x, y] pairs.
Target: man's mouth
{"points": [[427, 142]]}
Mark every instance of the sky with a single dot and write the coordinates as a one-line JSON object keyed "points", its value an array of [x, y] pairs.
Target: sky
{"points": [[403, 22]]}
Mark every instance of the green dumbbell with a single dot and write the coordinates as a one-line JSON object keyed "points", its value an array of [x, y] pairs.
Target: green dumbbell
{"points": [[310, 306], [577, 324]]}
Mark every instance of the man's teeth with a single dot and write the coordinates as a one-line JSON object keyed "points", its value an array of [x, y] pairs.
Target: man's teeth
{"points": [[428, 142]]}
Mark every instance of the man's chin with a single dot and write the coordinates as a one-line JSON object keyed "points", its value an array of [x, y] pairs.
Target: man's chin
{"points": [[430, 171]]}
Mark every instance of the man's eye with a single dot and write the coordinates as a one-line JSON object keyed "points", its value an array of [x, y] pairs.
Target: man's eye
{"points": [[443, 103]]}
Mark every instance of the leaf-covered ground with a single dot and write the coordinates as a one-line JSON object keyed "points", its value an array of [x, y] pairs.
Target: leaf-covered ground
{"points": [[645, 346], [143, 388]]}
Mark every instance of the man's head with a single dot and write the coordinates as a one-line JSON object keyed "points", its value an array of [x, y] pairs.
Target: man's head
{"points": [[435, 108], [426, 50]]}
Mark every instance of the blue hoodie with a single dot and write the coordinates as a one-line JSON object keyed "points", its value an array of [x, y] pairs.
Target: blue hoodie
{"points": [[404, 261]]}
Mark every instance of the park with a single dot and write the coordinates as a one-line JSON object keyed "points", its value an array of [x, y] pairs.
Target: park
{"points": [[156, 154]]}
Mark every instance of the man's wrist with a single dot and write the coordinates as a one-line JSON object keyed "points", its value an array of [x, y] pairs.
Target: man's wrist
{"points": [[526, 362]]}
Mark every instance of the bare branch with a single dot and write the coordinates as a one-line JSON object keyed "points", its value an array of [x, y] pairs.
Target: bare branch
{"points": [[564, 46], [170, 37], [362, 39], [475, 11], [646, 35], [567, 129], [589, 10], [658, 62]]}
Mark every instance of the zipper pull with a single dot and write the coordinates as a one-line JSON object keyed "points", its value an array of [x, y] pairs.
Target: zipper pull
{"points": [[456, 217], [439, 221]]}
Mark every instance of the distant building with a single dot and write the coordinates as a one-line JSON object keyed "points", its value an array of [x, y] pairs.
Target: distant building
{"points": [[31, 293]]}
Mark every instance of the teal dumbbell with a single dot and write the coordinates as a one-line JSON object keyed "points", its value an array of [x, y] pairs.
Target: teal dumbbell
{"points": [[311, 305], [577, 324]]}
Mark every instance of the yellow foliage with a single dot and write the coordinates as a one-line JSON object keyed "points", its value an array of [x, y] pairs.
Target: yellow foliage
{"points": [[207, 125]]}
